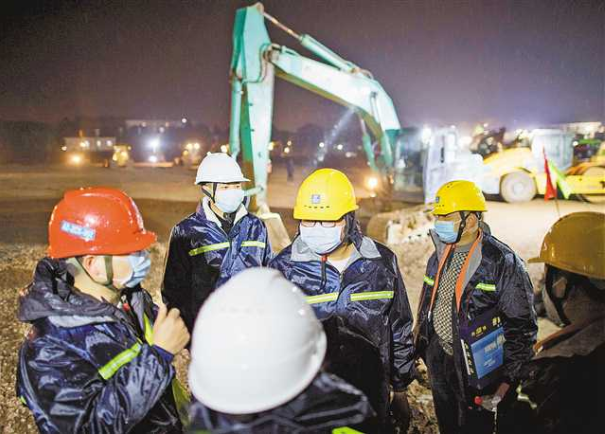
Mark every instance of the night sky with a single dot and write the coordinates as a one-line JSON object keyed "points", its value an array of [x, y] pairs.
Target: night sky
{"points": [[519, 63]]}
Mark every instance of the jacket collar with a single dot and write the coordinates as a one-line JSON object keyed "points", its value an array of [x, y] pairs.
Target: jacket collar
{"points": [[204, 210], [302, 253], [579, 343], [52, 296]]}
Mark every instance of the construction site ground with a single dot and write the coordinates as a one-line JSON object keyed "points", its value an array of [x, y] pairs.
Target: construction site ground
{"points": [[28, 194]]}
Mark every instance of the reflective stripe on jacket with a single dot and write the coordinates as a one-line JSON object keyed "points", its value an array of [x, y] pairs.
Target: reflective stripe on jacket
{"points": [[202, 257], [493, 277], [369, 296], [85, 365]]}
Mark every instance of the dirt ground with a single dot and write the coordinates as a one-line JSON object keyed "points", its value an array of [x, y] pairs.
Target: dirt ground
{"points": [[28, 194]]}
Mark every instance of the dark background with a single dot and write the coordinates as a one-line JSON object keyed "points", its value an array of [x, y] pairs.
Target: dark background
{"points": [[517, 63]]}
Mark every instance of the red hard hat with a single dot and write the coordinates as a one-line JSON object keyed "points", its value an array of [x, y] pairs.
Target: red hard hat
{"points": [[96, 221]]}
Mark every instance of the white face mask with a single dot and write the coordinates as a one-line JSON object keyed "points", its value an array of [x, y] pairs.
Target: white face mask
{"points": [[321, 240], [140, 262], [229, 200]]}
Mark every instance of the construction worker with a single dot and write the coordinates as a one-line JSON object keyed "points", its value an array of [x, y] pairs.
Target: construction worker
{"points": [[562, 387], [471, 274], [354, 281], [217, 241], [98, 357], [256, 355]]}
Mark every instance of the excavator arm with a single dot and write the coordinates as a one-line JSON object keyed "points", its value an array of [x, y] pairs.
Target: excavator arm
{"points": [[257, 61]]}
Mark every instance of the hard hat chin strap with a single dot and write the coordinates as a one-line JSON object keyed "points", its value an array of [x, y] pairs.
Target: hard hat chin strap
{"points": [[108, 283], [463, 218], [212, 195]]}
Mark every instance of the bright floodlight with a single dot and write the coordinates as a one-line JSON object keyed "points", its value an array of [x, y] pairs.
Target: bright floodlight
{"points": [[426, 134], [154, 144], [372, 182]]}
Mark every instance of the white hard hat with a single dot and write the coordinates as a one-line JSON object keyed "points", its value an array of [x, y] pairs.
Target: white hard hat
{"points": [[219, 168], [256, 344]]}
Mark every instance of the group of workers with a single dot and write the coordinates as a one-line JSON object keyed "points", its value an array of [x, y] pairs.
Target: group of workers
{"points": [[317, 338]]}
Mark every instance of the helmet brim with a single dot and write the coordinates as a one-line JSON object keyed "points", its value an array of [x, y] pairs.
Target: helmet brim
{"points": [[199, 181], [140, 241]]}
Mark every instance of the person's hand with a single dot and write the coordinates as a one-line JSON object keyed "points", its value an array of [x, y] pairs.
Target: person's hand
{"points": [[490, 402], [400, 408], [169, 330]]}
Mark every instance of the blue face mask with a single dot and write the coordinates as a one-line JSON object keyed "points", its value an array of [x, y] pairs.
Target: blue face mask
{"points": [[229, 201], [140, 263], [446, 231], [321, 240]]}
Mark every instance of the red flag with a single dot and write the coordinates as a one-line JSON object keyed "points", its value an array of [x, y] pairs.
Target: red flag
{"points": [[551, 190]]}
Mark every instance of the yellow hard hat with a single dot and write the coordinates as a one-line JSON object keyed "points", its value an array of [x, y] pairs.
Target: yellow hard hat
{"points": [[576, 243], [326, 194], [459, 196]]}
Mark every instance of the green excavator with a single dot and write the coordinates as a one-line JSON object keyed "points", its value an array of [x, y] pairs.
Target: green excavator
{"points": [[409, 164]]}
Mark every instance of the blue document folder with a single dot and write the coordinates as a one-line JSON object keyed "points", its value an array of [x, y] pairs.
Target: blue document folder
{"points": [[483, 345]]}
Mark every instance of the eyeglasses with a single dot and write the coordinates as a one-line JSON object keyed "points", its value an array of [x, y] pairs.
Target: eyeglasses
{"points": [[311, 223]]}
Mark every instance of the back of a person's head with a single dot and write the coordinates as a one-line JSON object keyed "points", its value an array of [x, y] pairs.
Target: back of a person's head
{"points": [[256, 344]]}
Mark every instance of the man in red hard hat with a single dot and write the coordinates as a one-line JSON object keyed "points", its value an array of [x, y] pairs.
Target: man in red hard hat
{"points": [[98, 357]]}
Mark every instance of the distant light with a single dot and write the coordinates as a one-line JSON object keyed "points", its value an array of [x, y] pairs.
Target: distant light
{"points": [[189, 146], [287, 150], [453, 127], [322, 144], [83, 144], [153, 159], [426, 134], [575, 143], [289, 143], [339, 147], [154, 144], [98, 143], [196, 145], [162, 129], [64, 148], [466, 140], [76, 159], [485, 125], [184, 120], [271, 146], [372, 182], [109, 143], [224, 149]]}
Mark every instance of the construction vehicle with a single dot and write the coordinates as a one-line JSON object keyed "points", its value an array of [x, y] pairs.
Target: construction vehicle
{"points": [[95, 151], [408, 164], [121, 155], [518, 174]]}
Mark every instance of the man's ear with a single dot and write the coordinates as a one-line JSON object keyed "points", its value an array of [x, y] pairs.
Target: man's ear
{"points": [[94, 267], [472, 221]]}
